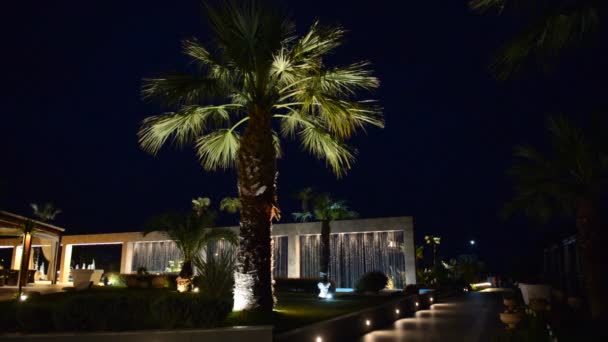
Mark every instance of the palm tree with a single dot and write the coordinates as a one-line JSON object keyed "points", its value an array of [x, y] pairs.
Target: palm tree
{"points": [[305, 195], [191, 233], [551, 27], [326, 209], [230, 205], [45, 213], [200, 205], [258, 71], [568, 181], [433, 242]]}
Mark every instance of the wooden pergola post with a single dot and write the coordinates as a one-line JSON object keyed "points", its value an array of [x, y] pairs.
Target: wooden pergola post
{"points": [[25, 259]]}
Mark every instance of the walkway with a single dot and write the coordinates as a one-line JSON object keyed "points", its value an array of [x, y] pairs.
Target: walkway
{"points": [[9, 292], [472, 317]]}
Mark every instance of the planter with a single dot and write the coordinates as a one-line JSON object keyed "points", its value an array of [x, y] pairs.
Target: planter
{"points": [[158, 282], [82, 279], [530, 291], [131, 281], [511, 319], [509, 303], [183, 284]]}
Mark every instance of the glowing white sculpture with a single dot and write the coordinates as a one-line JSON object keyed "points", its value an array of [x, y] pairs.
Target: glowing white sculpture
{"points": [[324, 290]]}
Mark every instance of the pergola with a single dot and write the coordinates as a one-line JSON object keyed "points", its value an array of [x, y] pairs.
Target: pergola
{"points": [[44, 234]]}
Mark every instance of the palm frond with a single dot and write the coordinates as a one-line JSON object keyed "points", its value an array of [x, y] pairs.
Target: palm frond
{"points": [[303, 216], [183, 126], [217, 150], [182, 89], [326, 147]]}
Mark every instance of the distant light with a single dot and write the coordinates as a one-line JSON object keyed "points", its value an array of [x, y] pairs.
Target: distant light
{"points": [[431, 299], [481, 284], [472, 242], [318, 339], [329, 296], [195, 290], [417, 304], [397, 311], [368, 322], [109, 283], [465, 289], [23, 297], [344, 290]]}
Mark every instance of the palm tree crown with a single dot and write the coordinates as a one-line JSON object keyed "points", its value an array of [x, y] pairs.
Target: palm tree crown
{"points": [[551, 27], [554, 184], [45, 213], [258, 64]]}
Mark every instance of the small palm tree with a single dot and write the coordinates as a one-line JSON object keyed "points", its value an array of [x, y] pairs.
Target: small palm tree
{"points": [[433, 242], [200, 205], [260, 71], [569, 181], [305, 195], [326, 209], [230, 205], [552, 26], [191, 233], [46, 212]]}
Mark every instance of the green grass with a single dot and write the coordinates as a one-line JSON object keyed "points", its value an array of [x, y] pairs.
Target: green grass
{"points": [[299, 309]]}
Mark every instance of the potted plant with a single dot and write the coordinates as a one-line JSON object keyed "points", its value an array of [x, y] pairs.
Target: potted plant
{"points": [[511, 318]]}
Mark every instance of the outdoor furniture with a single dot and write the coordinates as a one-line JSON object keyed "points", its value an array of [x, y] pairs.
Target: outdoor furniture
{"points": [[83, 279]]}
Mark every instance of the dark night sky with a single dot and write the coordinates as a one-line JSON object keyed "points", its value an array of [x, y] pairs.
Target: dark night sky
{"points": [[71, 108]]}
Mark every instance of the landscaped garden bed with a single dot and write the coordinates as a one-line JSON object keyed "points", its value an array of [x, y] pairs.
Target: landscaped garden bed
{"points": [[122, 309]]}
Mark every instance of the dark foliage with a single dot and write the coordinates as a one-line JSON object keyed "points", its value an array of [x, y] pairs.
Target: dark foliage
{"points": [[371, 282], [113, 310]]}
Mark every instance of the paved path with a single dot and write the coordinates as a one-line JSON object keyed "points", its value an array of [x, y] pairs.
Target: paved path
{"points": [[472, 317]]}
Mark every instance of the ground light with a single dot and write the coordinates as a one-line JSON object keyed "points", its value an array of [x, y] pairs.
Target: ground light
{"points": [[23, 297], [368, 322], [472, 242], [431, 299], [318, 339], [417, 304], [397, 311]]}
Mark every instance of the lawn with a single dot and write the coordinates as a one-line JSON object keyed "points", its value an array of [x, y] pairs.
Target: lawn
{"points": [[299, 309]]}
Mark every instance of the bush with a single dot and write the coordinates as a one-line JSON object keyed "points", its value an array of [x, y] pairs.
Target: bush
{"points": [[115, 279], [307, 285], [215, 274], [371, 282], [113, 310], [189, 310]]}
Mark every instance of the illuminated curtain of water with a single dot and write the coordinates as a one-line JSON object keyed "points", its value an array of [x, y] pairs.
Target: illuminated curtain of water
{"points": [[157, 256], [353, 254]]}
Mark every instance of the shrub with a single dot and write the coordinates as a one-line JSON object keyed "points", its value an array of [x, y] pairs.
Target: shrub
{"points": [[371, 282], [116, 279], [411, 289], [190, 310], [114, 310], [307, 285], [215, 274]]}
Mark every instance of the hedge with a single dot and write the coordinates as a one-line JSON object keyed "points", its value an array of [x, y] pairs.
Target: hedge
{"points": [[113, 310]]}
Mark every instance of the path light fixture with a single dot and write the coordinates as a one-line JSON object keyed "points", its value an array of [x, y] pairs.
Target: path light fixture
{"points": [[431, 299], [397, 311], [23, 297], [319, 339], [368, 322]]}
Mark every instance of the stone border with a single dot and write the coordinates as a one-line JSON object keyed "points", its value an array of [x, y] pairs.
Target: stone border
{"points": [[350, 326], [236, 334]]}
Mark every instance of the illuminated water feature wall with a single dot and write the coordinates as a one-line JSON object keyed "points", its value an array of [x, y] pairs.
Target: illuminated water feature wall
{"points": [[165, 257], [353, 254]]}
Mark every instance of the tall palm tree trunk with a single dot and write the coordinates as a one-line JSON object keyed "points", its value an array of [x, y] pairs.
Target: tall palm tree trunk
{"points": [[257, 190], [592, 248], [324, 267]]}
